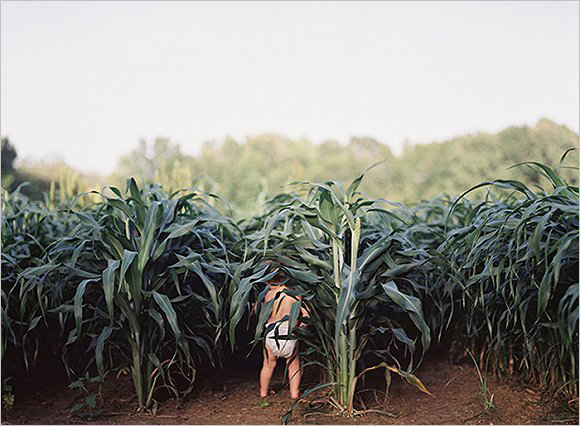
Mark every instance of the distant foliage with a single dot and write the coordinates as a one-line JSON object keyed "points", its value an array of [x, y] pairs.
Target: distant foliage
{"points": [[247, 173], [42, 179]]}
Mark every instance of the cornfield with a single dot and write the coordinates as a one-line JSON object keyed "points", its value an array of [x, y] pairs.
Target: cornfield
{"points": [[164, 285]]}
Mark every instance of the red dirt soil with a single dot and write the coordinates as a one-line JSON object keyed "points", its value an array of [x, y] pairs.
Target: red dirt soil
{"points": [[234, 400]]}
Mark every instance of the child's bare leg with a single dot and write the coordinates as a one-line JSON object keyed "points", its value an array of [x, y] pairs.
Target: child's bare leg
{"points": [[266, 374], [294, 375]]}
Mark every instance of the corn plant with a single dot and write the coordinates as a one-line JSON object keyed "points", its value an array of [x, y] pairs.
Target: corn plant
{"points": [[518, 268], [29, 228], [144, 279], [344, 275]]}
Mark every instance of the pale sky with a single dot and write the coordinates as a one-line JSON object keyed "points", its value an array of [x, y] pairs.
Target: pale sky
{"points": [[85, 81]]}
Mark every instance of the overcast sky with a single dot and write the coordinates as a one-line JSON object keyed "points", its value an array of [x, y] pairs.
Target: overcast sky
{"points": [[86, 81]]}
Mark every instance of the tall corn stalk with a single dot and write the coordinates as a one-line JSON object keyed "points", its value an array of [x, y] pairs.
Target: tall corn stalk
{"points": [[321, 235]]}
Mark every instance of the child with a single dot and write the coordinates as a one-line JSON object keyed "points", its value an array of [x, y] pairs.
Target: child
{"points": [[275, 348]]}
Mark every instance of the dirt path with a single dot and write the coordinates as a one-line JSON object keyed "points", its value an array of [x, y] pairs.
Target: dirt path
{"points": [[233, 400]]}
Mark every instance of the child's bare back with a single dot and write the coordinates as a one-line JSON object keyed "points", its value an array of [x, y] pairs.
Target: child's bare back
{"points": [[282, 304]]}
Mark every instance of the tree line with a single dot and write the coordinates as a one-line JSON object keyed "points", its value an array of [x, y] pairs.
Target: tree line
{"points": [[246, 173]]}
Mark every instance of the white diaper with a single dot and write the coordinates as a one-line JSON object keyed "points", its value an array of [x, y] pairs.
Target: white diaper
{"points": [[281, 348]]}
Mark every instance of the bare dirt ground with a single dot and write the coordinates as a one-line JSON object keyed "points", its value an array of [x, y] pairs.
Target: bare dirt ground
{"points": [[233, 399]]}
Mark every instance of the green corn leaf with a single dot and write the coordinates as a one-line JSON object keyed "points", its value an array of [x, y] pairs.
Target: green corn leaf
{"points": [[165, 305], [78, 304], [105, 334], [109, 285]]}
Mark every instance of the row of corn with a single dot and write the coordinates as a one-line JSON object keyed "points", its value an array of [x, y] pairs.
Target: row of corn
{"points": [[163, 285]]}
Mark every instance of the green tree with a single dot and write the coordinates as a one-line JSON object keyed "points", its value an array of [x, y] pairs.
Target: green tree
{"points": [[8, 157], [245, 173]]}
